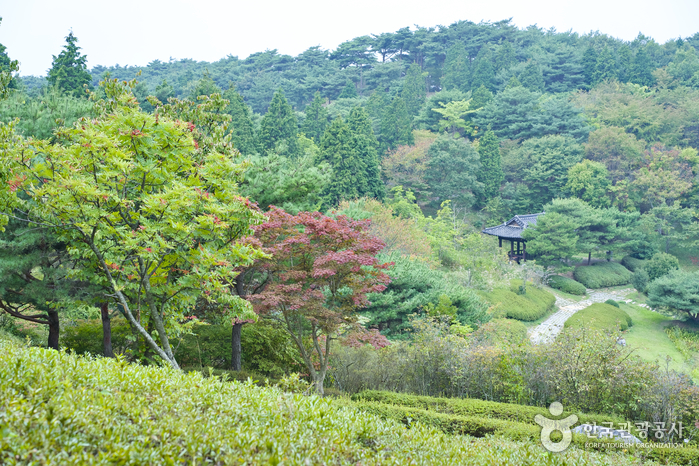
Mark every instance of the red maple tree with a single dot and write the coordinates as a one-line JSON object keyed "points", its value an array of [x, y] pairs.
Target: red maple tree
{"points": [[317, 275]]}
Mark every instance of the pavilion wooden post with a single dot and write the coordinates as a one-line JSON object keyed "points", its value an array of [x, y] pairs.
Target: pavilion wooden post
{"points": [[524, 251]]}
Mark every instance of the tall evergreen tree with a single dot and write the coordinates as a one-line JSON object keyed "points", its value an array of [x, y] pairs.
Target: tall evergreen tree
{"points": [[316, 119], [278, 127], [366, 146], [204, 86], [642, 69], [349, 91], [490, 174], [589, 64], [606, 66], [414, 90], [69, 69], [396, 126], [532, 77], [480, 98], [483, 72], [349, 172], [623, 63], [241, 127], [456, 68], [506, 56]]}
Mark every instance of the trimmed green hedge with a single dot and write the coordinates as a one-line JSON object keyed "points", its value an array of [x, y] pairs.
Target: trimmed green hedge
{"points": [[602, 274], [600, 315], [567, 285], [611, 302], [632, 263], [533, 305]]}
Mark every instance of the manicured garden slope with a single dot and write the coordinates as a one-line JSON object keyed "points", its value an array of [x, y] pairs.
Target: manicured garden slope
{"points": [[601, 316], [532, 305], [65, 409]]}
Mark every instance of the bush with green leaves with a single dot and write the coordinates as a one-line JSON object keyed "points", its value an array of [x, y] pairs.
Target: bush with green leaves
{"points": [[502, 331], [567, 285], [640, 280], [611, 302], [633, 263], [60, 408], [602, 274], [661, 264], [532, 305], [601, 316]]}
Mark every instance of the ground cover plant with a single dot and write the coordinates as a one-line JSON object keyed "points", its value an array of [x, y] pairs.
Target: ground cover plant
{"points": [[567, 285], [600, 316], [602, 275]]}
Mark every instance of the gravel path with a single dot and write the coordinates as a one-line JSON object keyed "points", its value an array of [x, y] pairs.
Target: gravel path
{"points": [[546, 332]]}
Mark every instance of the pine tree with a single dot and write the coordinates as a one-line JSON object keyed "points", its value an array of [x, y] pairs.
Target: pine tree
{"points": [[349, 91], [278, 127], [506, 56], [589, 63], [349, 172], [532, 77], [396, 126], [241, 127], [606, 66], [490, 174], [316, 119], [483, 72], [376, 106], [642, 69], [456, 68], [69, 69], [414, 89], [204, 86], [480, 98], [366, 146]]}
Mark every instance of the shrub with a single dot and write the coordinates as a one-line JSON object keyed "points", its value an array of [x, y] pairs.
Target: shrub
{"points": [[499, 331], [602, 274], [611, 302], [567, 285], [640, 280], [532, 305], [632, 263], [661, 264], [601, 316]]}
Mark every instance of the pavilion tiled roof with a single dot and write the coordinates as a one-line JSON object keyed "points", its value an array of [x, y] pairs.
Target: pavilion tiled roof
{"points": [[513, 228]]}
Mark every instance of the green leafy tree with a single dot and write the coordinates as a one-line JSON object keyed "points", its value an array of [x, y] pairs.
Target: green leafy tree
{"points": [[349, 91], [589, 181], [642, 69], [532, 77], [451, 171], [589, 64], [553, 241], [278, 127], [349, 179], [366, 147], [605, 68], [456, 68], [148, 203], [454, 117], [396, 125], [490, 174], [7, 67], [164, 91], [414, 90], [69, 69], [676, 291], [316, 119], [204, 86], [429, 118], [483, 71], [241, 126], [480, 98]]}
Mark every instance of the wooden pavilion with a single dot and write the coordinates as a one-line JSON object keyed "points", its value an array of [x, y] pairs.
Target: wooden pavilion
{"points": [[512, 232]]}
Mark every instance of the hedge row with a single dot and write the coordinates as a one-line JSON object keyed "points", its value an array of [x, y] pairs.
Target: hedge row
{"points": [[532, 305], [632, 263], [602, 274], [602, 316], [567, 285], [60, 408]]}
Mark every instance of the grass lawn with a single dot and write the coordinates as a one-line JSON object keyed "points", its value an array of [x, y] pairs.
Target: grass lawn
{"points": [[688, 257], [648, 335]]}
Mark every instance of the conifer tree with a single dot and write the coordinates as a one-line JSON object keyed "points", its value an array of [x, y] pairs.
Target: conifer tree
{"points": [[349, 91], [349, 172], [316, 119], [414, 89], [623, 63], [490, 174], [69, 69], [204, 86], [483, 72], [606, 66], [278, 127], [642, 69], [396, 126], [532, 77], [164, 91], [366, 146], [376, 106], [589, 63], [480, 98], [241, 127], [456, 68], [506, 56]]}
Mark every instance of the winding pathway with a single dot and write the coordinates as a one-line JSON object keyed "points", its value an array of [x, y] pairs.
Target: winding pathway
{"points": [[547, 331]]}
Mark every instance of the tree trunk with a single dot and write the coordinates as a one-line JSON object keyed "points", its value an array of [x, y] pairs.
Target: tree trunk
{"points": [[54, 329], [589, 257], [106, 331], [236, 364]]}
